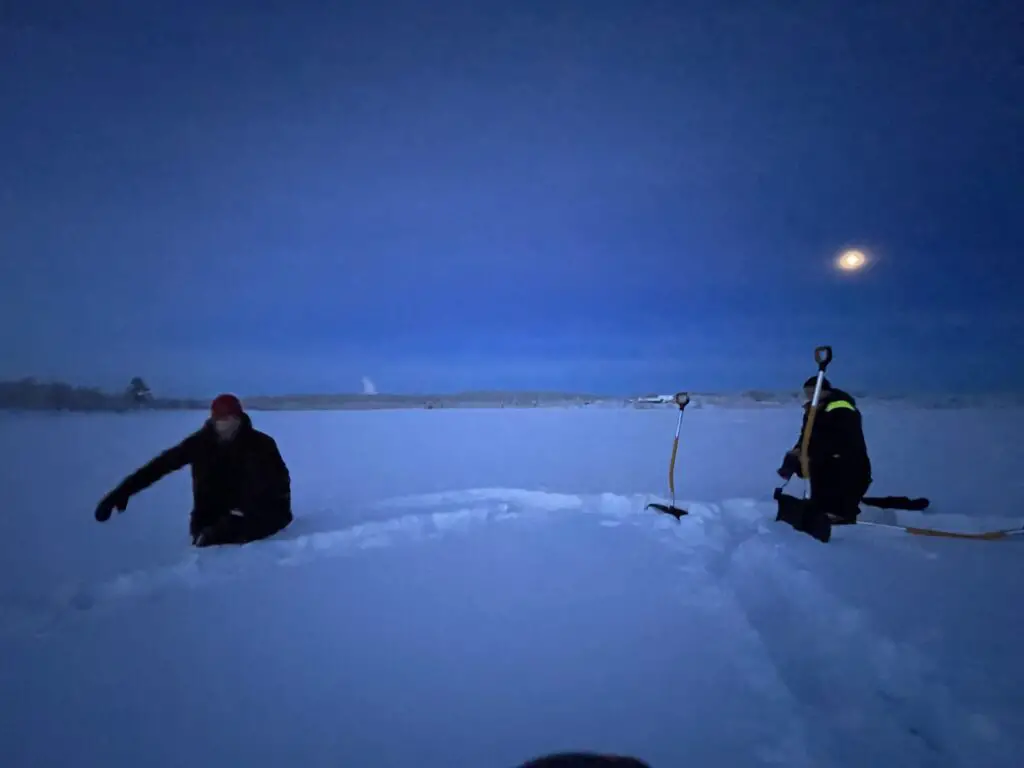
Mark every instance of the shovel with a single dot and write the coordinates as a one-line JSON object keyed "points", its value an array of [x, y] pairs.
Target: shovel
{"points": [[682, 400]]}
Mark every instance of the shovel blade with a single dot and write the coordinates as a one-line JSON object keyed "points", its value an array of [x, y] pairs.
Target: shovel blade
{"points": [[668, 509]]}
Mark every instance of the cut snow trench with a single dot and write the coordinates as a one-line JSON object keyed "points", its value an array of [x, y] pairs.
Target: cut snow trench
{"points": [[308, 538], [793, 641], [708, 530], [822, 647]]}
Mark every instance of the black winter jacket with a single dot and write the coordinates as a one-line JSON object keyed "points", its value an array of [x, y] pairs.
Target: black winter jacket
{"points": [[837, 442], [245, 473]]}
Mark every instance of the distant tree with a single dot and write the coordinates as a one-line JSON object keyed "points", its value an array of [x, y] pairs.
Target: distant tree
{"points": [[139, 393]]}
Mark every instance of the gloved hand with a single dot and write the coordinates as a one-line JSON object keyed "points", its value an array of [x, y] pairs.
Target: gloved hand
{"points": [[790, 466], [116, 499]]}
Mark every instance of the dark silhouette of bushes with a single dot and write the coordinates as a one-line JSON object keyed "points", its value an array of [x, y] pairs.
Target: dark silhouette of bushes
{"points": [[32, 395]]}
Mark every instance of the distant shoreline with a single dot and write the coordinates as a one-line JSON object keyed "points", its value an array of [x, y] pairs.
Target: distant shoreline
{"points": [[64, 398]]}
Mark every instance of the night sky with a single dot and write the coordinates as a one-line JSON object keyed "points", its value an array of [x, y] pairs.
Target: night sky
{"points": [[593, 196]]}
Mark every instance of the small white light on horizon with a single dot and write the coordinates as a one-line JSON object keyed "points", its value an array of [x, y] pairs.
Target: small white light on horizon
{"points": [[851, 260]]}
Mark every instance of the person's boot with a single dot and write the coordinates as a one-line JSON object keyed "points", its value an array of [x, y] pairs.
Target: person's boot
{"points": [[847, 512], [841, 519]]}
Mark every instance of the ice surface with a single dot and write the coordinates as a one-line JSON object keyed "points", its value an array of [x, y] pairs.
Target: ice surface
{"points": [[476, 587]]}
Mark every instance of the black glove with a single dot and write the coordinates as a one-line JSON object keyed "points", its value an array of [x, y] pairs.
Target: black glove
{"points": [[790, 466], [116, 499]]}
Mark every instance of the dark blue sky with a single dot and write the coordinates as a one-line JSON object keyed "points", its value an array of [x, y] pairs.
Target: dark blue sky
{"points": [[607, 196]]}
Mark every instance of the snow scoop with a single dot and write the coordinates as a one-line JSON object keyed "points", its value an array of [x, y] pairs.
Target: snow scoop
{"points": [[896, 502], [801, 516], [682, 400]]}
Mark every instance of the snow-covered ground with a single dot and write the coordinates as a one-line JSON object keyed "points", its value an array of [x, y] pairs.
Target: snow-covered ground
{"points": [[477, 587]]}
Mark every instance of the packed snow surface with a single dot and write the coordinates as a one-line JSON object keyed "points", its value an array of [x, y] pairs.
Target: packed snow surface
{"points": [[478, 587]]}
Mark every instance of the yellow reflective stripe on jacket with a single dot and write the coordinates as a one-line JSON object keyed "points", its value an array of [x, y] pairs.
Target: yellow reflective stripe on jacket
{"points": [[839, 404]]}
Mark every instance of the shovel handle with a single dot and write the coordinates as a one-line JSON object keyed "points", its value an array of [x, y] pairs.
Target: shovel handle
{"points": [[823, 356]]}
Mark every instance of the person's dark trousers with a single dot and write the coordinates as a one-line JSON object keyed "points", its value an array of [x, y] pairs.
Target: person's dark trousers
{"points": [[836, 491], [234, 528]]}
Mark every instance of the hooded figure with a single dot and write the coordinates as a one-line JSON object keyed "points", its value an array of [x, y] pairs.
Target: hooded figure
{"points": [[837, 454], [241, 488]]}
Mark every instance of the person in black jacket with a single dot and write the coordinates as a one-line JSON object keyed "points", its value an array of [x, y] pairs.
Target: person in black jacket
{"points": [[837, 455], [241, 488]]}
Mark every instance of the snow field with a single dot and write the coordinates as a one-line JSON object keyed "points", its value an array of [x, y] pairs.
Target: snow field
{"points": [[479, 587]]}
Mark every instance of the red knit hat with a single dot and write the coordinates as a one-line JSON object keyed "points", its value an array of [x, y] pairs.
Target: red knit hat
{"points": [[224, 406]]}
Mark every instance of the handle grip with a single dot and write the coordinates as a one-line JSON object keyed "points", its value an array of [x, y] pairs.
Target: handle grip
{"points": [[823, 356], [681, 399]]}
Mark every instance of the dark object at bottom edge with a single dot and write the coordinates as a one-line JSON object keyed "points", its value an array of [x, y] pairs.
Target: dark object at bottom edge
{"points": [[585, 760]]}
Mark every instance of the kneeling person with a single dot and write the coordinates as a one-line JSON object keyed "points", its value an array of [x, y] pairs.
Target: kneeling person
{"points": [[837, 454], [241, 488]]}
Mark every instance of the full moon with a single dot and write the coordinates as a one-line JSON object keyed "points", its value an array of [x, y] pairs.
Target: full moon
{"points": [[851, 261]]}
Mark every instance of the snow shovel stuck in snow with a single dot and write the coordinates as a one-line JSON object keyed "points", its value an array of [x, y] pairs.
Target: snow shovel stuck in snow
{"points": [[682, 400]]}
